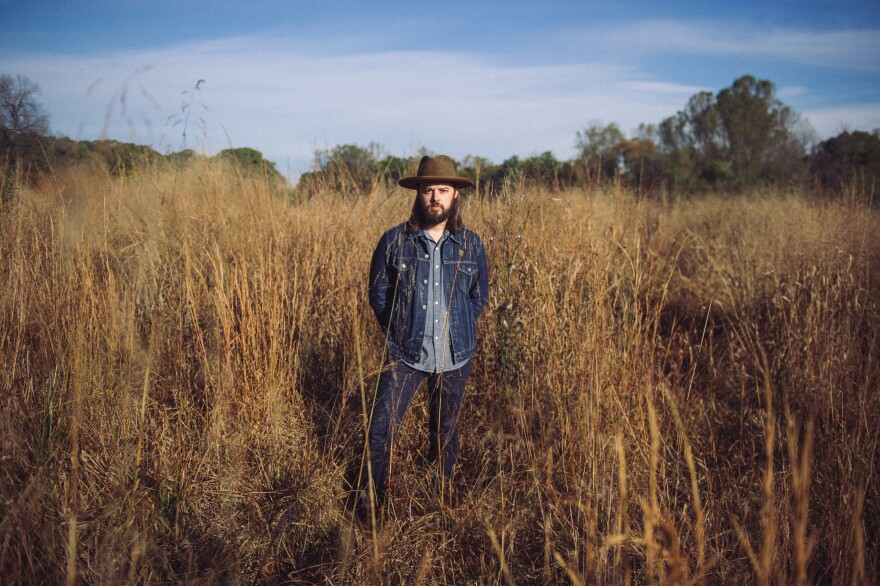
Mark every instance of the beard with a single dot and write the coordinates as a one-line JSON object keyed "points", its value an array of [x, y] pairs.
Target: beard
{"points": [[422, 216], [431, 215]]}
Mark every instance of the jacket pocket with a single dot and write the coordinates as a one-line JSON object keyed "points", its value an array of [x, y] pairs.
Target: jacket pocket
{"points": [[465, 273], [465, 278], [403, 327]]}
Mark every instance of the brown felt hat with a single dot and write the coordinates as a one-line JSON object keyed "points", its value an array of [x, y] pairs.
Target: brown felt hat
{"points": [[439, 169]]}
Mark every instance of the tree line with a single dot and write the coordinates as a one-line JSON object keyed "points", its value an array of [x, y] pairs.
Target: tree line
{"points": [[28, 150], [736, 139], [33, 155]]}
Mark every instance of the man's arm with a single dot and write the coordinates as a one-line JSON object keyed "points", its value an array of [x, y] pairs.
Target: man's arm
{"points": [[380, 283], [479, 292]]}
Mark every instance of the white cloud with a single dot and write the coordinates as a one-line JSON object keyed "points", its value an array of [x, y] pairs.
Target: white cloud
{"points": [[662, 87], [287, 100], [830, 122], [790, 91], [841, 49]]}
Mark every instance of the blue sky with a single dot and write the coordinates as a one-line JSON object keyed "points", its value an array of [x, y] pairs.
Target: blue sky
{"points": [[491, 79]]}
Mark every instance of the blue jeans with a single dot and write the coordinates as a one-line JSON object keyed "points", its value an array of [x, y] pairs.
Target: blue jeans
{"points": [[397, 386]]}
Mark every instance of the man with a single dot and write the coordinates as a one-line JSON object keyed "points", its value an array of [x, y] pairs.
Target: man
{"points": [[428, 285]]}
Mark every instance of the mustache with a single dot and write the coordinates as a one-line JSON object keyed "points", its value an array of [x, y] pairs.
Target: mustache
{"points": [[424, 212]]}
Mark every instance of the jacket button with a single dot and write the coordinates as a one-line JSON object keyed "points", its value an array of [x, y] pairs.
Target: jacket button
{"points": [[424, 307], [421, 333]]}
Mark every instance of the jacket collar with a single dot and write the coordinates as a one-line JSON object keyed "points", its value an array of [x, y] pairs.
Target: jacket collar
{"points": [[451, 235]]}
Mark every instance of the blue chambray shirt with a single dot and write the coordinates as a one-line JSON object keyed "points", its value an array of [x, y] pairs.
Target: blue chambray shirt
{"points": [[436, 354]]}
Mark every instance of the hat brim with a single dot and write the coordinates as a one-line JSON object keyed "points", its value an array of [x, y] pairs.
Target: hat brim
{"points": [[415, 182]]}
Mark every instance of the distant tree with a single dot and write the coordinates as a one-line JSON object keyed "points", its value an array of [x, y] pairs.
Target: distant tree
{"points": [[639, 160], [20, 112], [697, 128], [546, 169], [35, 155], [680, 171], [847, 159], [483, 172], [392, 168], [348, 169], [250, 160], [121, 157], [764, 137], [63, 151], [511, 166], [647, 132], [741, 136], [180, 158], [352, 168], [596, 146], [359, 161]]}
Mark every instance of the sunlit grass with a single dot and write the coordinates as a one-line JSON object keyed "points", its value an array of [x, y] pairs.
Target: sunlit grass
{"points": [[683, 392]]}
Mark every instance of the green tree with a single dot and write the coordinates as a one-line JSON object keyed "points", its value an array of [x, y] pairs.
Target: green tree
{"points": [[763, 140], [848, 159], [392, 168], [349, 169], [180, 158], [250, 160], [120, 157], [545, 169], [640, 162], [359, 163], [680, 171], [697, 128], [484, 173], [741, 136], [596, 145]]}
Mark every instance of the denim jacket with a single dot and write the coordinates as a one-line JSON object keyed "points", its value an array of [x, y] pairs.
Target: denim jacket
{"points": [[399, 277]]}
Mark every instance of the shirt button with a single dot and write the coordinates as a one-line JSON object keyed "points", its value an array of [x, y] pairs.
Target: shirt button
{"points": [[436, 266], [437, 284], [426, 281], [435, 303]]}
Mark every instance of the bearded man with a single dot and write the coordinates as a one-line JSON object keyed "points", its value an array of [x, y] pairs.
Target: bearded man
{"points": [[428, 284]]}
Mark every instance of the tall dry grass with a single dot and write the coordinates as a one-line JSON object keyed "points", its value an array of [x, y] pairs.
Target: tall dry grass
{"points": [[668, 393]]}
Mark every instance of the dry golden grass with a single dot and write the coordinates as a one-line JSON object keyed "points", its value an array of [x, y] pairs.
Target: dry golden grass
{"points": [[663, 393]]}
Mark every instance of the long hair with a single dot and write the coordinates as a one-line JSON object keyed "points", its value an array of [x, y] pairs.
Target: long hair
{"points": [[417, 217]]}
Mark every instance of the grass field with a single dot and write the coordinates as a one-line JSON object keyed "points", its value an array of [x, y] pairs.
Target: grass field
{"points": [[664, 392]]}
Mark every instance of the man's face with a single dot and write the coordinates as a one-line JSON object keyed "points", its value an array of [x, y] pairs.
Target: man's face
{"points": [[436, 200]]}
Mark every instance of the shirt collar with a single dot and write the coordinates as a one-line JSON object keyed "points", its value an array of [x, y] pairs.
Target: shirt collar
{"points": [[424, 234], [420, 233]]}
